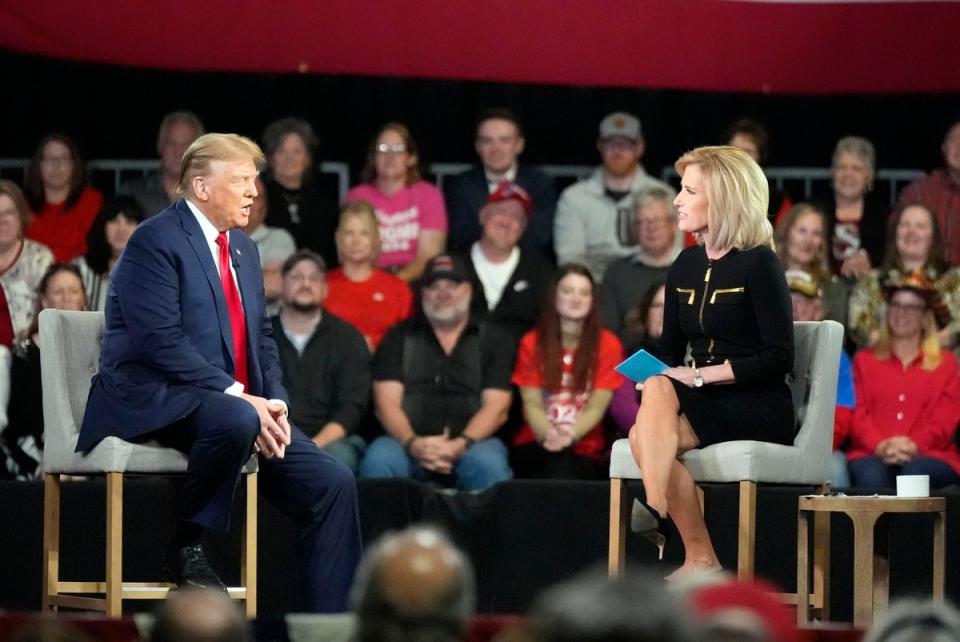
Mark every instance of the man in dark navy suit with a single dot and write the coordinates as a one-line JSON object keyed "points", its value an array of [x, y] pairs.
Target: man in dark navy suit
{"points": [[189, 360], [499, 143]]}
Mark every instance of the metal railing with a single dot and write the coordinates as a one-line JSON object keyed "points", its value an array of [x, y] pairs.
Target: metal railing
{"points": [[796, 180], [121, 169]]}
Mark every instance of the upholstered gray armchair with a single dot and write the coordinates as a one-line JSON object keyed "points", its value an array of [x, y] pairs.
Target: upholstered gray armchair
{"points": [[69, 357], [805, 463]]}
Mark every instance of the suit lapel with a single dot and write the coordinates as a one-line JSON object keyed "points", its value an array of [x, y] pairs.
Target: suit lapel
{"points": [[200, 247]]}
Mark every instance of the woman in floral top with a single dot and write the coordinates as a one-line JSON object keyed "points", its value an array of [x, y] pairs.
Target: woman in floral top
{"points": [[22, 261], [915, 244]]}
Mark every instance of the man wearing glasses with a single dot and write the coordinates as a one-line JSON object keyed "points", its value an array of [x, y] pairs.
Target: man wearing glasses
{"points": [[627, 279], [592, 225]]}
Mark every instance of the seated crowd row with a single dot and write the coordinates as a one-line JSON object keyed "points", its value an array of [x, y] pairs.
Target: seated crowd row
{"points": [[431, 334]]}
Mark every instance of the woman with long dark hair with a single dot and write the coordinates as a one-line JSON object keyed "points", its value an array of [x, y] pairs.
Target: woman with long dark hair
{"points": [[62, 204], [566, 378], [106, 239]]}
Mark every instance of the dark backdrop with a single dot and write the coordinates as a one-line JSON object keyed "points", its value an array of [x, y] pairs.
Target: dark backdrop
{"points": [[114, 112]]}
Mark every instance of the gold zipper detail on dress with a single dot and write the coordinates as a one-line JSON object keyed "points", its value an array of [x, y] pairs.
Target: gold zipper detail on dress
{"points": [[713, 297], [692, 292], [706, 284]]}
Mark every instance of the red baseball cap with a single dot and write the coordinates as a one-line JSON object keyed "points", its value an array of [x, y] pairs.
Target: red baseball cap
{"points": [[507, 191]]}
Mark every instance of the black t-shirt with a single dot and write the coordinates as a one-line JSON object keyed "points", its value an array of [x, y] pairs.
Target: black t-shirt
{"points": [[448, 387]]}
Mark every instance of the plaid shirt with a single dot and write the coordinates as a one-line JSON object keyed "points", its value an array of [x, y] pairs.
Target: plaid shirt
{"points": [[940, 192]]}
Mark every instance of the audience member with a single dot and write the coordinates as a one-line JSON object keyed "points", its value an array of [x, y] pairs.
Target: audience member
{"points": [[199, 615], [413, 586], [753, 138], [274, 244], [499, 143], [358, 292], [63, 207], [807, 299], [106, 239], [442, 389], [856, 216], [592, 607], [915, 243], [916, 620], [593, 216], [654, 224], [940, 191], [735, 611], [412, 216], [800, 237], [21, 443], [566, 378], [509, 282], [296, 200], [325, 362], [908, 393], [23, 262], [155, 191], [644, 325]]}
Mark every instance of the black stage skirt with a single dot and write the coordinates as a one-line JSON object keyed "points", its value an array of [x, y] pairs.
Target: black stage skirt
{"points": [[728, 412]]}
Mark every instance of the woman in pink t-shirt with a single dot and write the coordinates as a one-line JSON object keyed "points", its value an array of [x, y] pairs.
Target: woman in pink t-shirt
{"points": [[565, 372], [412, 216], [369, 299]]}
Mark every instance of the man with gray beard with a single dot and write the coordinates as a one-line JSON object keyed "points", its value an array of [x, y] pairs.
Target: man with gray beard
{"points": [[442, 389]]}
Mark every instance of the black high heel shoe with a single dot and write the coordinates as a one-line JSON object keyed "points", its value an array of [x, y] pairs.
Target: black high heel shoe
{"points": [[647, 522]]}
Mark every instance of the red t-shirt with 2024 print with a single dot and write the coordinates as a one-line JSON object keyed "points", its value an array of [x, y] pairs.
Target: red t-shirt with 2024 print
{"points": [[565, 405]]}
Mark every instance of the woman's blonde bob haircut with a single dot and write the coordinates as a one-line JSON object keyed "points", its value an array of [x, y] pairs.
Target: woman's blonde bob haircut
{"points": [[364, 212], [737, 196], [216, 147]]}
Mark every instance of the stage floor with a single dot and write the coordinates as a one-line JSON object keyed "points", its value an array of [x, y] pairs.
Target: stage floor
{"points": [[521, 535]]}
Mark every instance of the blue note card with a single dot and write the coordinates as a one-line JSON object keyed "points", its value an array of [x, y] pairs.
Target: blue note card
{"points": [[641, 365]]}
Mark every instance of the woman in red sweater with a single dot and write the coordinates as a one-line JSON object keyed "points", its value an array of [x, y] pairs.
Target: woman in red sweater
{"points": [[565, 371], [63, 207], [908, 393]]}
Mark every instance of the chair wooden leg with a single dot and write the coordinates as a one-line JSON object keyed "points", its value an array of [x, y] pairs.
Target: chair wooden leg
{"points": [[248, 548], [114, 581], [821, 559], [51, 538], [746, 530], [619, 510]]}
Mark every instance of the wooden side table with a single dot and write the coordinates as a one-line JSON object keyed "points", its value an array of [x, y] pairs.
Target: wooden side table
{"points": [[871, 580]]}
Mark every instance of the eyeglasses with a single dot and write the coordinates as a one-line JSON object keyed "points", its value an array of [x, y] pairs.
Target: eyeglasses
{"points": [[912, 308], [56, 160], [397, 148], [652, 223]]}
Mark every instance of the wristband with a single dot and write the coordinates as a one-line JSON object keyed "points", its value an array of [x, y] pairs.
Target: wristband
{"points": [[470, 440], [408, 444]]}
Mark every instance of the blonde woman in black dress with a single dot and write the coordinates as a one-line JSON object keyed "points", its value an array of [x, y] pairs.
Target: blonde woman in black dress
{"points": [[726, 297]]}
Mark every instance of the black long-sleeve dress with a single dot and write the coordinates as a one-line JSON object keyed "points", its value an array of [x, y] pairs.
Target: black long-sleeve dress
{"points": [[737, 309]]}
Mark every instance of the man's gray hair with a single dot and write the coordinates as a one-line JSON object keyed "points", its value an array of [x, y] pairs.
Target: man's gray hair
{"points": [[413, 585], [652, 195], [917, 620]]}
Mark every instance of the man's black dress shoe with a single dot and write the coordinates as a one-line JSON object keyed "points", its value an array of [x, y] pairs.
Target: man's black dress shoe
{"points": [[188, 567]]}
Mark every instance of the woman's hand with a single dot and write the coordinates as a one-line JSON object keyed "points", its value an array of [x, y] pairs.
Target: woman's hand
{"points": [[683, 374], [855, 265], [559, 437]]}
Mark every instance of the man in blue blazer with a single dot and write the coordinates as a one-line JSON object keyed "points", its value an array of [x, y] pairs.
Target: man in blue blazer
{"points": [[499, 143], [189, 360]]}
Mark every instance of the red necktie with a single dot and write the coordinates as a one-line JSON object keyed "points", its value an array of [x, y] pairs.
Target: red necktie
{"points": [[238, 326]]}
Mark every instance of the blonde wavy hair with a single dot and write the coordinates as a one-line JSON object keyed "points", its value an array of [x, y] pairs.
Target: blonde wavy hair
{"points": [[207, 149], [737, 196]]}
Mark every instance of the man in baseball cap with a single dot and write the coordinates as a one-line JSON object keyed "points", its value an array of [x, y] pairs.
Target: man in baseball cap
{"points": [[441, 389], [593, 222]]}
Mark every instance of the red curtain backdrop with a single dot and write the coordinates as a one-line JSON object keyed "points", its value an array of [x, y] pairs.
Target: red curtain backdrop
{"points": [[814, 47]]}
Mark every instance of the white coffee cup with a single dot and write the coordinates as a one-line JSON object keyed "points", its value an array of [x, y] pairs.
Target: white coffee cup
{"points": [[913, 485]]}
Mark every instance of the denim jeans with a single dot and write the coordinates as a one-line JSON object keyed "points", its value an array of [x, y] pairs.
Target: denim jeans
{"points": [[482, 465], [871, 472]]}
